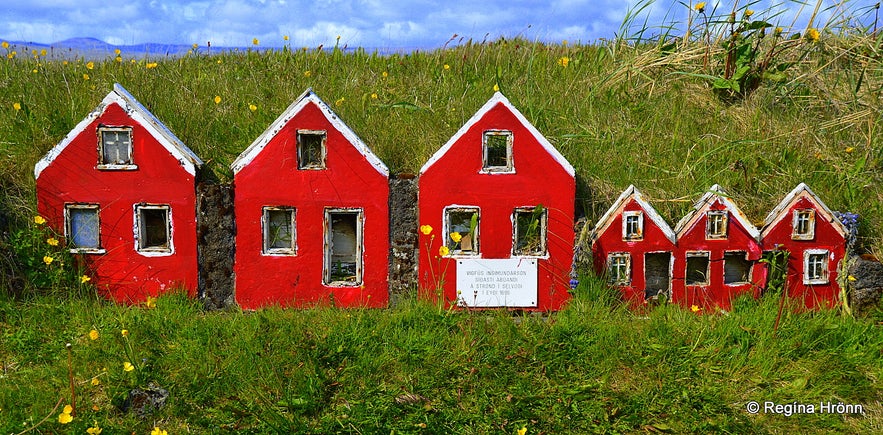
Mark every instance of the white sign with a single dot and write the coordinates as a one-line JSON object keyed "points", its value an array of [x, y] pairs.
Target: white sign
{"points": [[506, 282]]}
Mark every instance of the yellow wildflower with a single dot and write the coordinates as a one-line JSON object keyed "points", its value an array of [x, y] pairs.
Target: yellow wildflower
{"points": [[255, 41], [496, 87], [308, 73], [252, 107], [117, 52], [195, 46], [443, 251], [43, 52], [564, 61], [5, 44], [522, 431], [385, 74], [84, 279], [151, 65], [447, 67], [47, 259], [95, 382], [118, 59], [85, 76], [285, 37], [339, 102], [850, 278], [124, 332], [90, 65], [128, 367], [150, 302], [425, 229], [93, 335], [65, 416], [695, 308], [39, 220], [11, 54], [94, 430], [748, 13], [564, 43], [850, 149], [158, 431], [456, 237], [700, 7], [374, 96], [52, 241], [217, 99], [812, 35], [777, 31], [16, 106]]}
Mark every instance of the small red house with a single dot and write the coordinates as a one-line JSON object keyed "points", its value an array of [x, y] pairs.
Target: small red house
{"points": [[496, 206], [312, 214], [634, 247], [717, 252], [815, 241], [122, 189]]}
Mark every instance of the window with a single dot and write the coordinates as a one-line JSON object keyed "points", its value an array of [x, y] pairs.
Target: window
{"points": [[697, 268], [461, 230], [632, 225], [278, 225], [737, 268], [153, 229], [619, 268], [343, 247], [804, 224], [311, 149], [657, 273], [497, 151], [815, 266], [115, 148], [716, 227], [81, 227], [530, 231]]}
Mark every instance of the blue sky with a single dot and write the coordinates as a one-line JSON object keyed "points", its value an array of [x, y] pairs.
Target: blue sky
{"points": [[379, 24]]}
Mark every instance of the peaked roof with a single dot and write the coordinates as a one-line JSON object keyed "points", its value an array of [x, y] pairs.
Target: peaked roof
{"points": [[632, 193], [716, 193], [801, 191], [189, 161], [306, 98], [498, 98]]}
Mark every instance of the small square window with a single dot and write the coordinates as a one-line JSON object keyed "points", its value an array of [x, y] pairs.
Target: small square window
{"points": [[311, 149], [153, 229], [815, 266], [115, 147], [804, 224], [497, 151], [279, 230], [343, 247], [82, 229], [530, 231], [716, 226], [632, 225], [737, 268], [461, 230], [619, 268], [697, 268]]}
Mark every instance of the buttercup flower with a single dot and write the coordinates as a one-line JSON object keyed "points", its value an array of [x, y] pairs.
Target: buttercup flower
{"points": [[695, 308], [95, 382], [496, 87], [4, 44], [158, 431], [447, 67], [308, 73], [52, 241], [374, 96], [564, 61], [285, 37], [85, 76], [65, 416], [385, 74], [850, 278], [425, 229], [117, 52], [48, 260], [150, 302], [850, 149], [748, 13], [39, 220], [93, 335], [16, 106], [84, 279], [456, 237], [340, 101], [522, 431], [94, 430], [151, 65], [90, 65], [255, 41], [217, 99], [700, 7], [777, 31], [812, 35], [128, 367], [124, 332], [443, 251], [252, 107]]}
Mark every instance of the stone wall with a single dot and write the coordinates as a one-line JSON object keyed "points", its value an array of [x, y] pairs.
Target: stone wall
{"points": [[216, 231], [402, 237]]}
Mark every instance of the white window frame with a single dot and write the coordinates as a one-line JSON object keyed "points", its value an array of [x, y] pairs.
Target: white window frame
{"points": [[617, 261], [102, 164], [68, 231], [697, 254], [301, 165], [486, 168], [636, 233], [824, 257], [446, 230], [328, 244], [542, 227], [717, 230], [265, 230], [153, 251], [808, 216]]}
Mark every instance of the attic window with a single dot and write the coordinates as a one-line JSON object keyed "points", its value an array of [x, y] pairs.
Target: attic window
{"points": [[815, 266], [530, 231], [632, 225], [115, 148], [804, 224], [461, 230], [737, 268], [278, 223], [497, 151], [697, 268], [716, 225], [343, 247], [311, 149], [619, 268], [153, 229], [82, 229]]}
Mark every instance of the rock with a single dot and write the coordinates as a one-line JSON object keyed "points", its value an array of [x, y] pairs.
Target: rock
{"points": [[867, 287], [145, 402]]}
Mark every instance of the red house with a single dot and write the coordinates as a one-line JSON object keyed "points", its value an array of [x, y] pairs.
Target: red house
{"points": [[312, 214], [815, 241], [634, 247], [496, 206], [716, 255], [122, 189]]}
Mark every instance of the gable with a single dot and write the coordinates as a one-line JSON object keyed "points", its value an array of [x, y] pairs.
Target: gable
{"points": [[629, 196], [306, 99], [801, 194], [138, 114], [715, 199]]}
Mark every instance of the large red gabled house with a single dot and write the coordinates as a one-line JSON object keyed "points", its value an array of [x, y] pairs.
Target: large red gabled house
{"points": [[312, 214], [815, 241], [634, 248], [496, 206], [122, 189], [717, 252]]}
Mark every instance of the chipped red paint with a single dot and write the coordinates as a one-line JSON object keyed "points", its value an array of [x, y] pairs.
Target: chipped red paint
{"points": [[454, 177], [269, 176]]}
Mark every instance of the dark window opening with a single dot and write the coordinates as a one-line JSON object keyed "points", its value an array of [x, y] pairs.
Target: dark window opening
{"points": [[310, 149], [530, 231], [153, 229], [737, 268], [279, 230], [344, 248], [697, 269], [657, 273], [497, 151]]}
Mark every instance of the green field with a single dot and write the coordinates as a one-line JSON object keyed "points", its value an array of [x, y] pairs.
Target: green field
{"points": [[723, 105]]}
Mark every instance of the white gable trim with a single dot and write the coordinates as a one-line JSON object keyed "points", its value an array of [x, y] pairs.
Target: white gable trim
{"points": [[188, 160], [801, 191], [715, 193], [256, 147], [498, 98], [617, 208]]}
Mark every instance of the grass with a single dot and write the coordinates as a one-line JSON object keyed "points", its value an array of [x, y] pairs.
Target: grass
{"points": [[623, 112]]}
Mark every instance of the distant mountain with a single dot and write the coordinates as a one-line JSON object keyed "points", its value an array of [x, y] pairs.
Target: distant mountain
{"points": [[96, 49]]}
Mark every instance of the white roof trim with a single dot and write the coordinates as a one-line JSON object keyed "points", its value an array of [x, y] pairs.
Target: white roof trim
{"points": [[716, 193], [189, 161], [632, 193], [801, 191], [246, 157], [498, 98]]}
